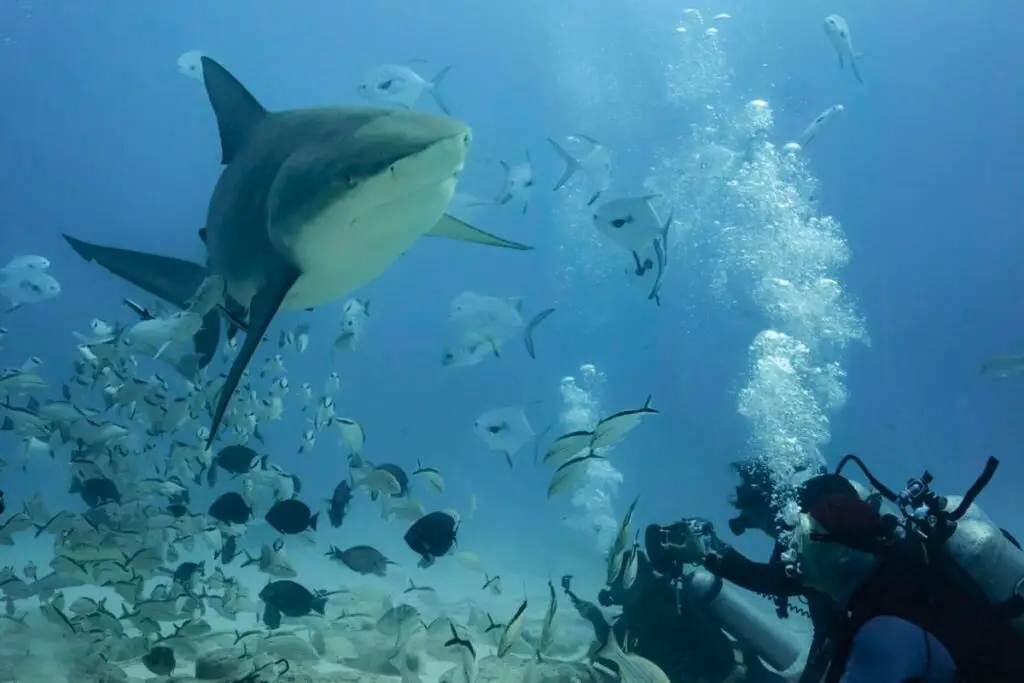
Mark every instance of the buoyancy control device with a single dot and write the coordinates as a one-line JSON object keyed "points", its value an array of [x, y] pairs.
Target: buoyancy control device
{"points": [[955, 528]]}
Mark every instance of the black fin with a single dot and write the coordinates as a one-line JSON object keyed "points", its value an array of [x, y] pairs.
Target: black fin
{"points": [[202, 234], [138, 309], [531, 326], [261, 313], [172, 279], [238, 113]]}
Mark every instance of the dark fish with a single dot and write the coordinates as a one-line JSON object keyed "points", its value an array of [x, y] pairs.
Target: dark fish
{"points": [[362, 559], [290, 599], [432, 536], [95, 491], [183, 574], [400, 476], [159, 660], [177, 510], [291, 516], [235, 459], [3, 505], [230, 508], [228, 550], [339, 503]]}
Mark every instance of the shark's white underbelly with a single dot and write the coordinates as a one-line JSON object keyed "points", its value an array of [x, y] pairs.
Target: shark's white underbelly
{"points": [[338, 254]]}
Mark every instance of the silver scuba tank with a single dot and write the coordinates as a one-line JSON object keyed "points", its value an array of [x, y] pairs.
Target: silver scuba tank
{"points": [[766, 636], [994, 563]]}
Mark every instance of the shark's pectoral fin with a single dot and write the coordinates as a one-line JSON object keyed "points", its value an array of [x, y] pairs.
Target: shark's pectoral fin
{"points": [[238, 112], [261, 312], [451, 227]]}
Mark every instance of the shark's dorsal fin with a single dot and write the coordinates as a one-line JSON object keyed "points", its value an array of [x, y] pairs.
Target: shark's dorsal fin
{"points": [[238, 113]]}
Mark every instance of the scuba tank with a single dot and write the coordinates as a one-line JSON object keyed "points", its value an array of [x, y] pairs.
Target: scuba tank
{"points": [[956, 529], [761, 632]]}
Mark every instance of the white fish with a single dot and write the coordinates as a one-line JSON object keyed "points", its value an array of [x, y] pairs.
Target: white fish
{"points": [[191, 64], [308, 441], [302, 338], [400, 85], [568, 446], [332, 384], [432, 476], [19, 264], [286, 339], [820, 122], [273, 365], [631, 565], [838, 32], [1005, 365], [614, 428], [517, 184], [504, 429], [596, 164], [208, 296], [100, 332], [305, 395], [376, 480], [722, 17], [631, 223], [354, 315], [28, 286], [470, 561], [350, 434], [513, 631], [468, 665], [570, 473], [324, 413], [482, 324], [153, 336], [649, 266]]}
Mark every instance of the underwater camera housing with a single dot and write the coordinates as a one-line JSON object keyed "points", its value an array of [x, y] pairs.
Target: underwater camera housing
{"points": [[956, 528]]}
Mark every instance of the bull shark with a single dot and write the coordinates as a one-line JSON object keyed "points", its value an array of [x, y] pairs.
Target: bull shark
{"points": [[314, 203], [172, 279]]}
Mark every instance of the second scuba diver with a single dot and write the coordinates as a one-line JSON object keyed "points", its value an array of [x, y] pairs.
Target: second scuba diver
{"points": [[933, 597]]}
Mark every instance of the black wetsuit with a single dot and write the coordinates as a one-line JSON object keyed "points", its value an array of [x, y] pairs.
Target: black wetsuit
{"points": [[770, 579], [682, 639]]}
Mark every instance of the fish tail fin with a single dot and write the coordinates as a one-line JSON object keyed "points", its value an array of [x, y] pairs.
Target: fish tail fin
{"points": [[313, 520], [435, 93], [319, 603], [531, 326], [855, 68], [572, 165]]}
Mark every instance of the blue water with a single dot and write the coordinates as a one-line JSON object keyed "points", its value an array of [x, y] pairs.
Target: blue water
{"points": [[100, 137]]}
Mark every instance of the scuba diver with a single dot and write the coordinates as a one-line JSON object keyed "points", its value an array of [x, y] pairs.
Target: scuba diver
{"points": [[757, 508], [697, 629], [934, 595]]}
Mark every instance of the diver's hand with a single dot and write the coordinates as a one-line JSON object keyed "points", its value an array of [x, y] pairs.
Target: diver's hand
{"points": [[681, 541]]}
